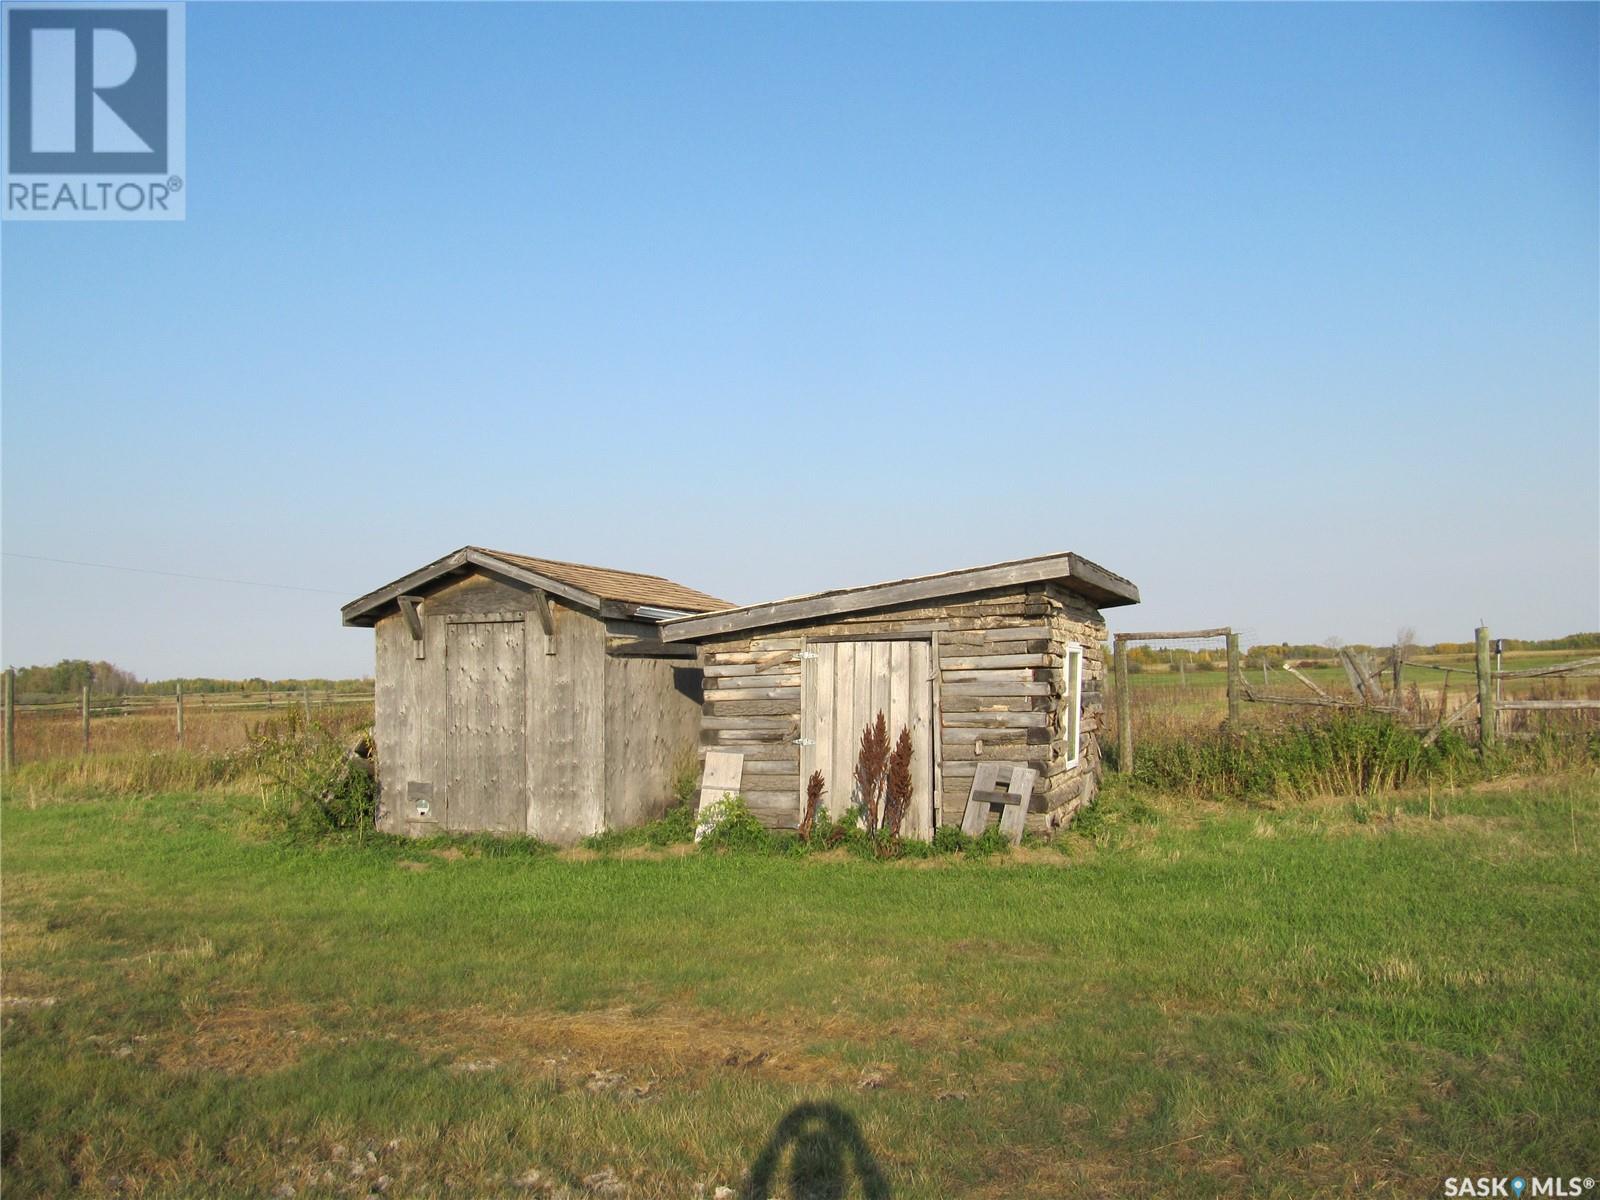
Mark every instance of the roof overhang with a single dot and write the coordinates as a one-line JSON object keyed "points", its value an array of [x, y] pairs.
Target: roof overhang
{"points": [[367, 610], [1105, 588]]}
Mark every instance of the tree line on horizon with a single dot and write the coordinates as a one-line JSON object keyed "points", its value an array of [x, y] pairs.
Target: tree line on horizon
{"points": [[71, 675], [1215, 657]]}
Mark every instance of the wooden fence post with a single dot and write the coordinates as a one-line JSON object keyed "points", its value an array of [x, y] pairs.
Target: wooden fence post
{"points": [[1124, 710], [11, 718], [1487, 723], [305, 701], [84, 707], [1235, 676], [179, 699]]}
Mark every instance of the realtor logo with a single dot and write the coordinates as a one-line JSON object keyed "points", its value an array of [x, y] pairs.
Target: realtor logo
{"points": [[94, 118]]}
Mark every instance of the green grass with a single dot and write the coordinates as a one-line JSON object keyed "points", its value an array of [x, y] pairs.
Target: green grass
{"points": [[1188, 999]]}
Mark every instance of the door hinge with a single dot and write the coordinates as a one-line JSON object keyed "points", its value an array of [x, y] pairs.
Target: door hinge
{"points": [[804, 654], [805, 741]]}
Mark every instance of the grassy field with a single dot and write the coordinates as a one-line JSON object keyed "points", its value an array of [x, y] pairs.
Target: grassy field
{"points": [[1328, 998]]}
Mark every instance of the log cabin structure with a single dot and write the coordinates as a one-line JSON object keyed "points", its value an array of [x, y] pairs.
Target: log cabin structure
{"points": [[528, 696], [1003, 663]]}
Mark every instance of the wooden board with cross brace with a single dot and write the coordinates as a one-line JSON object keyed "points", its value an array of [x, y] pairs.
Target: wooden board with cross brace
{"points": [[986, 794]]}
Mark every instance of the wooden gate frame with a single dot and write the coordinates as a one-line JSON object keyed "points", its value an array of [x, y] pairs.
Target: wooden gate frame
{"points": [[1124, 700]]}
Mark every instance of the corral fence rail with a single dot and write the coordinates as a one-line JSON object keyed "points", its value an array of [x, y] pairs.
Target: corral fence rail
{"points": [[1376, 687], [177, 704]]}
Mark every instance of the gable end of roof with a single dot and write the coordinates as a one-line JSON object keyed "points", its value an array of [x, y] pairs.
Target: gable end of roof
{"points": [[645, 597]]}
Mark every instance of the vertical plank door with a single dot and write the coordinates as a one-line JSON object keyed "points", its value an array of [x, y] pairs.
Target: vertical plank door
{"points": [[842, 689], [485, 727]]}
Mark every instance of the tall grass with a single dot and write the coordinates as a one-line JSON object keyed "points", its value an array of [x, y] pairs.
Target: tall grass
{"points": [[47, 735], [271, 758], [132, 774], [1351, 754]]}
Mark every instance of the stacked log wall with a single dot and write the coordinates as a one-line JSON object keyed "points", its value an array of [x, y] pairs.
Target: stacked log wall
{"points": [[1000, 657]]}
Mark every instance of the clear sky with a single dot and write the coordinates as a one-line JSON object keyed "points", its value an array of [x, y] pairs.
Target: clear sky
{"points": [[1290, 314]]}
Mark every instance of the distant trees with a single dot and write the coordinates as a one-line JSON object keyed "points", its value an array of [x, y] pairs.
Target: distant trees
{"points": [[69, 676]]}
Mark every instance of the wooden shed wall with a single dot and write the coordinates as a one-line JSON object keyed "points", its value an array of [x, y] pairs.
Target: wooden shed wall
{"points": [[563, 719], [602, 734], [566, 728], [652, 724], [999, 658]]}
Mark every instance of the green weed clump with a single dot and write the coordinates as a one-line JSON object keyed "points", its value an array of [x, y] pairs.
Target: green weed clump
{"points": [[1349, 754], [319, 784], [738, 829], [671, 828], [948, 839]]}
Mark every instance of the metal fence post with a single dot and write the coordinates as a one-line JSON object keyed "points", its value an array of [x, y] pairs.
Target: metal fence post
{"points": [[84, 707], [1487, 724], [1124, 709], [179, 699]]}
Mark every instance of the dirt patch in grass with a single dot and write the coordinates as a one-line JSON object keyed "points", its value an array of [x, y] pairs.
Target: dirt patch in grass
{"points": [[240, 1041], [592, 1047], [1035, 856], [604, 1051], [654, 853], [627, 853]]}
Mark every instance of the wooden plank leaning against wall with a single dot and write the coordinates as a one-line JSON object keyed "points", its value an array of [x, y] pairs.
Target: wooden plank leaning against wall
{"points": [[1000, 659]]}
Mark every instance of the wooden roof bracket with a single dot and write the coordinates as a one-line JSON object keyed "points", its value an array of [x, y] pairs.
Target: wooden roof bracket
{"points": [[547, 620], [413, 615]]}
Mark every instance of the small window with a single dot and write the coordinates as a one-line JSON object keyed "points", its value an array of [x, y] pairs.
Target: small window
{"points": [[1072, 702]]}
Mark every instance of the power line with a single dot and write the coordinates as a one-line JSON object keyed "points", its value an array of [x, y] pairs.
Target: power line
{"points": [[73, 562]]}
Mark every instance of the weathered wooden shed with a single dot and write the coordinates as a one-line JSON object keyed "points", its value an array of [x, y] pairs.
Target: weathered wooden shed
{"points": [[524, 695], [1002, 663]]}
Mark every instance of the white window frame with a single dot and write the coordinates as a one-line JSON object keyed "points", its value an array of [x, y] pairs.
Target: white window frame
{"points": [[1072, 701]]}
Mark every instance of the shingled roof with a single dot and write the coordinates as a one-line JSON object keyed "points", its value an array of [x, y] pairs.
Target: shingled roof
{"points": [[575, 583], [627, 587]]}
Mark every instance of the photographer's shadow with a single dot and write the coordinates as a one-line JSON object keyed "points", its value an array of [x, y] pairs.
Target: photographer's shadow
{"points": [[828, 1159]]}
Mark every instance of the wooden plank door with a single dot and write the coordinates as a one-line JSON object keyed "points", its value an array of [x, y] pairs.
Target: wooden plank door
{"points": [[843, 686], [485, 726]]}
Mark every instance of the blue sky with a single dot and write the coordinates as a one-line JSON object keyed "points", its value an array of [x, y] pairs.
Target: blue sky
{"points": [[1290, 314]]}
